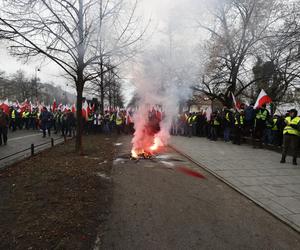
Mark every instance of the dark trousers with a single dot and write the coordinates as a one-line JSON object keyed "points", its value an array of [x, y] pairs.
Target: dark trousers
{"points": [[119, 128], [214, 133], [258, 134], [13, 124], [32, 123], [227, 134], [237, 134], [290, 142], [190, 130], [3, 135], [46, 130], [26, 122]]}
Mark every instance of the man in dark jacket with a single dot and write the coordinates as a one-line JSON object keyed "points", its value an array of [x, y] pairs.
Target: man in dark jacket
{"points": [[4, 121], [70, 123], [227, 123], [249, 119], [46, 120]]}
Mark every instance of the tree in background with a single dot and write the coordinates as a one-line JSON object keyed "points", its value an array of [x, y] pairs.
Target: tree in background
{"points": [[69, 33], [239, 29]]}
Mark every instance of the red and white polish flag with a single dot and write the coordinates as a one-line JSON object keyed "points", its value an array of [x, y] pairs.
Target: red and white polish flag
{"points": [[5, 106], [262, 99], [54, 106]]}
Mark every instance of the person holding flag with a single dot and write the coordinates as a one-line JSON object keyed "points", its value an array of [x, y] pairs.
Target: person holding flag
{"points": [[261, 117]]}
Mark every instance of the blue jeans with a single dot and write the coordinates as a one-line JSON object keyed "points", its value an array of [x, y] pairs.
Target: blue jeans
{"points": [[268, 136], [227, 134]]}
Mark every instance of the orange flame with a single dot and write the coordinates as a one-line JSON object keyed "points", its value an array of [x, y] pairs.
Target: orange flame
{"points": [[134, 154], [157, 143]]}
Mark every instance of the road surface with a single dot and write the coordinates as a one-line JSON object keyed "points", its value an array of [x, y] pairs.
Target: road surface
{"points": [[256, 173], [156, 206]]}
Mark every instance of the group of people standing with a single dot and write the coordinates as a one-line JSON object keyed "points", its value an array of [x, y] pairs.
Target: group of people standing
{"points": [[63, 122], [236, 125], [120, 121]]}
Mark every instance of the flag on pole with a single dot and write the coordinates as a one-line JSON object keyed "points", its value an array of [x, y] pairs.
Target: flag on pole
{"points": [[234, 100], [85, 110], [262, 99], [237, 104], [54, 107], [5, 106], [24, 106], [208, 113], [73, 108]]}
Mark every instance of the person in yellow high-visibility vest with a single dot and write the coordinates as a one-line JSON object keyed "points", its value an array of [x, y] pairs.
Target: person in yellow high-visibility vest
{"points": [[239, 122], [190, 125], [275, 131], [25, 118], [119, 122], [291, 134], [215, 126], [13, 117]]}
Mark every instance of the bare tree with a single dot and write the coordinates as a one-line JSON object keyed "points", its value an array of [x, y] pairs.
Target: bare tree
{"points": [[240, 26], [282, 52], [69, 32]]}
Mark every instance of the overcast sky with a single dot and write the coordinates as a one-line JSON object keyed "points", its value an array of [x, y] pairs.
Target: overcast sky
{"points": [[181, 12]]}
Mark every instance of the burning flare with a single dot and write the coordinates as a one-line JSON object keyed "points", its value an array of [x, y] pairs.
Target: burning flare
{"points": [[134, 154], [144, 153], [157, 143], [137, 154]]}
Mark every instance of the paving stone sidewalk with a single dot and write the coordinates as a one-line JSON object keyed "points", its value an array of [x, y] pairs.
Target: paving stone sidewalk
{"points": [[256, 173]]}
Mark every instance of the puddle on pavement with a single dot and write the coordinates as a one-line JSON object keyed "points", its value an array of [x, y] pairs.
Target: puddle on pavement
{"points": [[104, 162], [103, 176]]}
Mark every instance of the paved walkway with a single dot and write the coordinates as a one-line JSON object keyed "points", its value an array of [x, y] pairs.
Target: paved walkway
{"points": [[256, 173], [21, 140]]}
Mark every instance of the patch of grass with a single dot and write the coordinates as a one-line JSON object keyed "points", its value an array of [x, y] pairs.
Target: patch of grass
{"points": [[56, 200]]}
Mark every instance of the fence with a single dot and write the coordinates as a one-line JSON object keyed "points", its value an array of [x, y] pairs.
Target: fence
{"points": [[33, 148]]}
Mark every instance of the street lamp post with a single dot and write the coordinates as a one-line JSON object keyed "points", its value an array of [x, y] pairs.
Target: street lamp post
{"points": [[35, 82]]}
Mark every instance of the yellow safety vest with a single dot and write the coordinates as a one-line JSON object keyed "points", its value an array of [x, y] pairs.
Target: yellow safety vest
{"points": [[241, 120], [112, 117], [194, 118], [227, 117], [216, 123], [288, 129], [275, 127], [25, 114], [119, 121], [262, 115], [190, 120], [13, 114]]}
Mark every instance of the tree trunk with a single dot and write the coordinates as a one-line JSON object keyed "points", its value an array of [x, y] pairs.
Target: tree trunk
{"points": [[79, 125], [80, 80], [101, 87]]}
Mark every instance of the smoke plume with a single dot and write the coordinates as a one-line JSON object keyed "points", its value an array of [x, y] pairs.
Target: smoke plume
{"points": [[162, 84]]}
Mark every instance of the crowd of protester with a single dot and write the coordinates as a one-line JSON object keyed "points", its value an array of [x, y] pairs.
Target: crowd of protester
{"points": [[229, 125], [63, 122], [236, 126]]}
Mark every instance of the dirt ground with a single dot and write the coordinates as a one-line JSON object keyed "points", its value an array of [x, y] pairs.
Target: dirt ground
{"points": [[155, 206], [57, 200]]}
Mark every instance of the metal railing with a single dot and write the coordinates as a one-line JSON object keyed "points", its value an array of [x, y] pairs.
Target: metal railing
{"points": [[33, 147]]}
